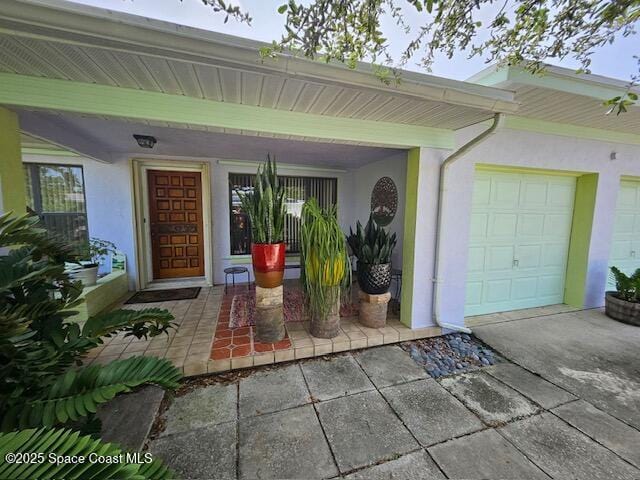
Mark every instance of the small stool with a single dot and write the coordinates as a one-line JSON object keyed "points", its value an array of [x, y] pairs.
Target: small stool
{"points": [[396, 275], [233, 271]]}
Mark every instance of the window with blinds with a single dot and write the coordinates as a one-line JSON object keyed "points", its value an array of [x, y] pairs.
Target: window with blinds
{"points": [[56, 194], [297, 191]]}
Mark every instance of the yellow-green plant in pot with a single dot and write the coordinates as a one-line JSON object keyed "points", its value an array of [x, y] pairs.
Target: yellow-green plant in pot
{"points": [[326, 271]]}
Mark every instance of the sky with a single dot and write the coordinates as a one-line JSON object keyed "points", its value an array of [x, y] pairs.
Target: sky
{"points": [[613, 60]]}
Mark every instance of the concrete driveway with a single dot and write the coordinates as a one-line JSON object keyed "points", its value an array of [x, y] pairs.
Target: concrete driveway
{"points": [[587, 353], [562, 404]]}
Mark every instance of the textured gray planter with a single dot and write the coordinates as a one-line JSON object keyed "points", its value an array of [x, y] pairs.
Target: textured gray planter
{"points": [[621, 310], [327, 327]]}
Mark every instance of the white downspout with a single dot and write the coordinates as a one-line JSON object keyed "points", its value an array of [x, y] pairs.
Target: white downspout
{"points": [[498, 120]]}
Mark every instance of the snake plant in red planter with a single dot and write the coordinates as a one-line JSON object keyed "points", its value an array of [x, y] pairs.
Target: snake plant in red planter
{"points": [[264, 205]]}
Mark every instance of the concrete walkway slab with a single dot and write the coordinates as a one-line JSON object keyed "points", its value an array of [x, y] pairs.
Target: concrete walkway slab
{"points": [[484, 454], [273, 390], [335, 377], [363, 430], [491, 400], [208, 452], [414, 466], [389, 365], [532, 386], [564, 452], [431, 413], [287, 444], [202, 407], [606, 430]]}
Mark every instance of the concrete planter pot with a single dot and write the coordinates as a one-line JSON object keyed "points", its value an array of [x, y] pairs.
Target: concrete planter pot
{"points": [[621, 310], [269, 314], [373, 309], [87, 275], [327, 327]]}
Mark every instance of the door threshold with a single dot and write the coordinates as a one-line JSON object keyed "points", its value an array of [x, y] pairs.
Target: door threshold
{"points": [[177, 283]]}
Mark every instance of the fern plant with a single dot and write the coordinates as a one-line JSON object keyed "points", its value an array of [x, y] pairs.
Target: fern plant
{"points": [[264, 205], [371, 245], [39, 346], [323, 253], [41, 444], [627, 286]]}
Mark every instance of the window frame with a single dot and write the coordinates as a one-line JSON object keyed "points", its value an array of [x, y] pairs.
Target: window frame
{"points": [[36, 189], [335, 180]]}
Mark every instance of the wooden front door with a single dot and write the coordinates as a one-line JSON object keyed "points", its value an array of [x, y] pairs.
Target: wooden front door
{"points": [[175, 217]]}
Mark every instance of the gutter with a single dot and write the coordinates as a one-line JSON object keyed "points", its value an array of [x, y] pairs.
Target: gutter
{"points": [[498, 121]]}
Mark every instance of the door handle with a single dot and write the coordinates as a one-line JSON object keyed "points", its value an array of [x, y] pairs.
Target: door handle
{"points": [[633, 253], [516, 262]]}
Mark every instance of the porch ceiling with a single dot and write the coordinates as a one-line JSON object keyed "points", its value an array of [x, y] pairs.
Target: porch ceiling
{"points": [[77, 43], [115, 138]]}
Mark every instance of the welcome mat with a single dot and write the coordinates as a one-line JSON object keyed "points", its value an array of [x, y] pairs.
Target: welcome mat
{"points": [[153, 296]]}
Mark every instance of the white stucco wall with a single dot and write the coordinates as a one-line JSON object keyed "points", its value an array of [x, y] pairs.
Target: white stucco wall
{"points": [[364, 179], [531, 150]]}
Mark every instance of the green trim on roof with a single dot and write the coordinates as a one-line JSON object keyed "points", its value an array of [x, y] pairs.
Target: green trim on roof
{"points": [[76, 97], [48, 151]]}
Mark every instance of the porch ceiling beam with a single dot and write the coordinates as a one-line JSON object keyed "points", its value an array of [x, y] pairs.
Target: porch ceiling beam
{"points": [[75, 97], [57, 133]]}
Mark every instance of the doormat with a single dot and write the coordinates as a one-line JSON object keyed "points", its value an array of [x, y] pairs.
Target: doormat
{"points": [[154, 296]]}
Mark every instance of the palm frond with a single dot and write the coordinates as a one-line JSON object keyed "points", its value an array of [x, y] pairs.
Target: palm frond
{"points": [[140, 323]]}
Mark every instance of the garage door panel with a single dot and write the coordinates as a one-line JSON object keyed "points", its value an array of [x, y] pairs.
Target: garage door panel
{"points": [[519, 260], [625, 246]]}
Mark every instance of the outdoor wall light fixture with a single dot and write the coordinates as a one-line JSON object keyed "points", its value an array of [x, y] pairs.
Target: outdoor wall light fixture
{"points": [[145, 141]]}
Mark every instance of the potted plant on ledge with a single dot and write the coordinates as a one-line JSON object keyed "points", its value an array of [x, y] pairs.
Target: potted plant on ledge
{"points": [[325, 267], [624, 304], [266, 210], [373, 247], [88, 260]]}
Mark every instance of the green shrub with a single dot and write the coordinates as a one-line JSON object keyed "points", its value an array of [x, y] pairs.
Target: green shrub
{"points": [[628, 286], [371, 245]]}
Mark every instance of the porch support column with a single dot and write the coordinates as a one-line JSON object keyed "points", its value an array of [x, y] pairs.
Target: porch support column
{"points": [[12, 177], [418, 249]]}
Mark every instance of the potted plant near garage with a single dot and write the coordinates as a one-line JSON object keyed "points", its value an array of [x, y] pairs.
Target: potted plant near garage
{"points": [[266, 210], [624, 304], [88, 259], [373, 246], [326, 271]]}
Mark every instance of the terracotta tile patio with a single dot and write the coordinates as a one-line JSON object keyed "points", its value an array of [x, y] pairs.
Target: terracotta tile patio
{"points": [[193, 347]]}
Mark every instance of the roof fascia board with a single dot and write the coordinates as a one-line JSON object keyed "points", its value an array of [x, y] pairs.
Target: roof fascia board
{"points": [[75, 97], [127, 33]]}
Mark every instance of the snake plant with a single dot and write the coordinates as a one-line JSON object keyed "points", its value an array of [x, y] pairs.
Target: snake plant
{"points": [[372, 245], [265, 205], [326, 269]]}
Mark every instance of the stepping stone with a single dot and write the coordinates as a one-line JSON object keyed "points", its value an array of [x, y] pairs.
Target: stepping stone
{"points": [[273, 390], [335, 377], [211, 405], [605, 429], [287, 444], [208, 452], [363, 430], [532, 386], [491, 400], [564, 452], [430, 412], [416, 465], [481, 455], [127, 419], [389, 365]]}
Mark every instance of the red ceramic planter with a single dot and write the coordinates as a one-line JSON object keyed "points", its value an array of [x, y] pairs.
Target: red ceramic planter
{"points": [[268, 263]]}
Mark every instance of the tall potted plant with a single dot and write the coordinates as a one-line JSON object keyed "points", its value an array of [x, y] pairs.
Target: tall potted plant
{"points": [[373, 247], [266, 210], [624, 304], [326, 270]]}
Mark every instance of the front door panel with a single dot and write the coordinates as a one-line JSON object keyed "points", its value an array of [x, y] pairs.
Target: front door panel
{"points": [[175, 217]]}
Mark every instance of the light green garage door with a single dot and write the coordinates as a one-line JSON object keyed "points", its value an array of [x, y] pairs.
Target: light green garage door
{"points": [[625, 249], [520, 233]]}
